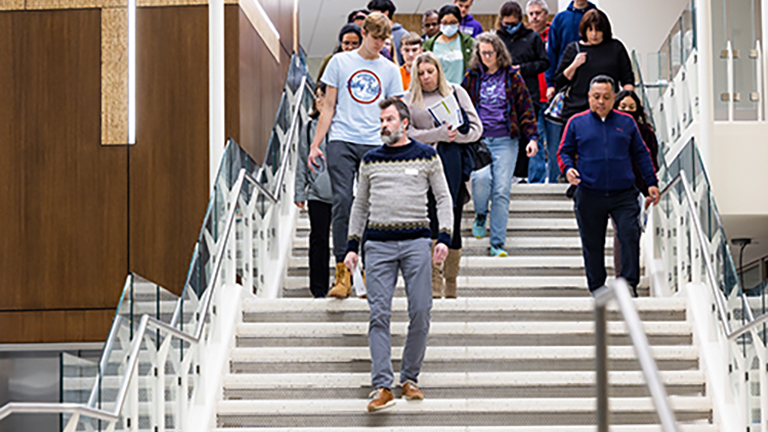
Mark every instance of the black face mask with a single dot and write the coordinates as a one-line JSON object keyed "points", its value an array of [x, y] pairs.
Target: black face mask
{"points": [[635, 114]]}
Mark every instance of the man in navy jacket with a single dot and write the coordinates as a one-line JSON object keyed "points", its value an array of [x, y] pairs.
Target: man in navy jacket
{"points": [[563, 30], [603, 142]]}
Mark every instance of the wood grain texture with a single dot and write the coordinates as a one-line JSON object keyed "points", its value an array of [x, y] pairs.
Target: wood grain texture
{"points": [[64, 206], [73, 4], [251, 100], [168, 172], [55, 326]]}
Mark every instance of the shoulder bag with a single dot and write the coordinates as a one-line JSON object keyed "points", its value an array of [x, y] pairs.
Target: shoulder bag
{"points": [[554, 111], [478, 151]]}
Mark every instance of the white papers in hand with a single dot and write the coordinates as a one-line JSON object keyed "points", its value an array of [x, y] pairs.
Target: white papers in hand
{"points": [[447, 110], [357, 281]]}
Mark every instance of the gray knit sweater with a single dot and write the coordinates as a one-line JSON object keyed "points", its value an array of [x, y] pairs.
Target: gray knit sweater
{"points": [[392, 195]]}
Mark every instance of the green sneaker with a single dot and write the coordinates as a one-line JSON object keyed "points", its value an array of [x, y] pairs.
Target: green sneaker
{"points": [[498, 252], [478, 229]]}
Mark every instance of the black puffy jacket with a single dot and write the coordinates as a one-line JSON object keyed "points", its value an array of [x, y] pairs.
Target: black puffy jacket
{"points": [[527, 51]]}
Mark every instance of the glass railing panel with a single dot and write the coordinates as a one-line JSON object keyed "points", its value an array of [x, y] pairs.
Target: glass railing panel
{"points": [[274, 155], [744, 19], [77, 379], [112, 367]]}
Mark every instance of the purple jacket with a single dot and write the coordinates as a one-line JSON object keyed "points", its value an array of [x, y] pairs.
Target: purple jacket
{"points": [[470, 26]]}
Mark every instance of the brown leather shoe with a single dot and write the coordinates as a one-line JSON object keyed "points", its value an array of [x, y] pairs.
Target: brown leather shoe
{"points": [[411, 391], [343, 284], [382, 399]]}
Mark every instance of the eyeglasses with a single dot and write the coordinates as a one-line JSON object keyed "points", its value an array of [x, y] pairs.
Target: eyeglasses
{"points": [[487, 53], [428, 25]]}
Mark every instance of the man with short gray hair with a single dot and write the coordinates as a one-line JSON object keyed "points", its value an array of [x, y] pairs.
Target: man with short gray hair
{"points": [[538, 16], [596, 154], [398, 239]]}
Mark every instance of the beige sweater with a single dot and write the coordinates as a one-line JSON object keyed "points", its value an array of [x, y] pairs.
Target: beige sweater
{"points": [[423, 127]]}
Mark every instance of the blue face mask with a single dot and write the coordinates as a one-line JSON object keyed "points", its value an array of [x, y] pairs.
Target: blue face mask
{"points": [[449, 30], [513, 29]]}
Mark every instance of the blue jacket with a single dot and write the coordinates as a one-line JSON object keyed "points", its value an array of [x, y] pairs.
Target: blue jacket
{"points": [[563, 30], [605, 151]]}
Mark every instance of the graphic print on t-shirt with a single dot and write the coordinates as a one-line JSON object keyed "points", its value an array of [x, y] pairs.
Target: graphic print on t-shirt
{"points": [[364, 87], [492, 93]]}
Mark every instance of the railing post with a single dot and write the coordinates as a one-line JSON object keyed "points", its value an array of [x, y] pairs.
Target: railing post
{"points": [[247, 257], [601, 359], [729, 77], [759, 79]]}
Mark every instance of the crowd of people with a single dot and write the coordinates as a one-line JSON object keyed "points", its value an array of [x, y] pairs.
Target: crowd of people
{"points": [[407, 128]]}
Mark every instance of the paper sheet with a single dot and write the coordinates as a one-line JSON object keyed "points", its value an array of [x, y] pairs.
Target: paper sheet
{"points": [[448, 111]]}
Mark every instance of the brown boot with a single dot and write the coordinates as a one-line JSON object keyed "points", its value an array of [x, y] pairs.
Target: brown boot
{"points": [[437, 276], [343, 284], [451, 272]]}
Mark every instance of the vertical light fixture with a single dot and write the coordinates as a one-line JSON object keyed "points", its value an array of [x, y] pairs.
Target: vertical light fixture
{"points": [[216, 86], [131, 71]]}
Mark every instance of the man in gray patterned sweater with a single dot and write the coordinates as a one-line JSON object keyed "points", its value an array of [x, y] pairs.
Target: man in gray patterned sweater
{"points": [[392, 200]]}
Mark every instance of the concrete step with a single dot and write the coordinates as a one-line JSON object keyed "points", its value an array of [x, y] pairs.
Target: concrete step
{"points": [[694, 427], [499, 333], [452, 412], [492, 266], [515, 246], [455, 359], [458, 385], [550, 309], [485, 286]]}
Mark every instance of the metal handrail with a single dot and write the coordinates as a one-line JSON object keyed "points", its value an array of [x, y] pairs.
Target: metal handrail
{"points": [[714, 286], [619, 291], [148, 321]]}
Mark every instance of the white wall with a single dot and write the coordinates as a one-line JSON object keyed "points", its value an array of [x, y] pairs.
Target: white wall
{"points": [[643, 26]]}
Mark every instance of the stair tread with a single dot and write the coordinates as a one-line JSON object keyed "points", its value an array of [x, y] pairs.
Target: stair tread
{"points": [[701, 427], [532, 405], [465, 304], [346, 354], [462, 379], [325, 329]]}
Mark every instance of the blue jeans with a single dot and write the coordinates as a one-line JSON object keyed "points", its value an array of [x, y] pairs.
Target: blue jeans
{"points": [[494, 183], [554, 131], [537, 165]]}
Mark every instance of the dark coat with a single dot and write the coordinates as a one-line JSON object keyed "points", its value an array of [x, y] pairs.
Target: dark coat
{"points": [[527, 51]]}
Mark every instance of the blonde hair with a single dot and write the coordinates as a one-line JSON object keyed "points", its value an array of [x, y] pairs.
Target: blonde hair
{"points": [[503, 59], [417, 95], [378, 25]]}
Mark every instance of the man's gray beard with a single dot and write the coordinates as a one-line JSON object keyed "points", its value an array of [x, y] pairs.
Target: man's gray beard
{"points": [[393, 137]]}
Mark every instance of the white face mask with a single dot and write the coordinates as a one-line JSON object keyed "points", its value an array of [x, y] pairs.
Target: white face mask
{"points": [[449, 30]]}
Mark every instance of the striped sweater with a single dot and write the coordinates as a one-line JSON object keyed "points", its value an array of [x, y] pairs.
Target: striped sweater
{"points": [[392, 195]]}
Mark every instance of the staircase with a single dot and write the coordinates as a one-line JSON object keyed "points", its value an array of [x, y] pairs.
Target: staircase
{"points": [[515, 352]]}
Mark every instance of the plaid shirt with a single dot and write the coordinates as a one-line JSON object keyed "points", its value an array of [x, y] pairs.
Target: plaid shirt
{"points": [[520, 109]]}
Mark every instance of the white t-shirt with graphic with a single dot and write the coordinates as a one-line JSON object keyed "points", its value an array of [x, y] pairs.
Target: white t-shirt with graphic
{"points": [[362, 84]]}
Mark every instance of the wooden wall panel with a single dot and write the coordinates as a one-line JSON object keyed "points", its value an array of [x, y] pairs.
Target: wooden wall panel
{"points": [[254, 84], [169, 164], [55, 326], [77, 216], [64, 207]]}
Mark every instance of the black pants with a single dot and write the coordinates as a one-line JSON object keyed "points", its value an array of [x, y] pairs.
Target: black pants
{"points": [[592, 211], [434, 225], [319, 247]]}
